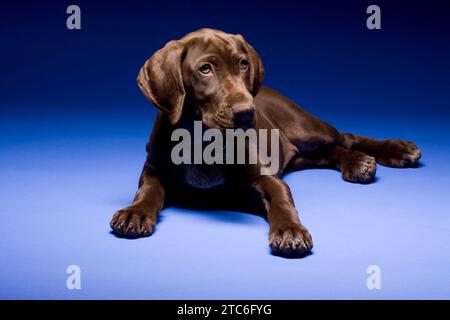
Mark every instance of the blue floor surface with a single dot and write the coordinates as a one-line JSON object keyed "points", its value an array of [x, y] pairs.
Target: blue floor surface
{"points": [[62, 179]]}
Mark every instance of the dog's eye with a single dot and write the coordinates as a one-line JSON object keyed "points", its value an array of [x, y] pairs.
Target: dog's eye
{"points": [[244, 64], [206, 68]]}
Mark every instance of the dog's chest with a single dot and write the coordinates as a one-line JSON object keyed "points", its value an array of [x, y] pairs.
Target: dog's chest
{"points": [[203, 176]]}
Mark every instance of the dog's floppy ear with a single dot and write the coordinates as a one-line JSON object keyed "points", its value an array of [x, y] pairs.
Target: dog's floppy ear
{"points": [[161, 81], [256, 68]]}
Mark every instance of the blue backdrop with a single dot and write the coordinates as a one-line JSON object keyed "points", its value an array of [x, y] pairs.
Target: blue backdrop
{"points": [[74, 126]]}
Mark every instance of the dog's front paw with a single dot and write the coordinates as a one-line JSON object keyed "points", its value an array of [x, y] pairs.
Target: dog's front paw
{"points": [[399, 154], [290, 239], [132, 222], [359, 168]]}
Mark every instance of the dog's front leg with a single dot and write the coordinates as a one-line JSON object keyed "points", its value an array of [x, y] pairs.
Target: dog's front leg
{"points": [[139, 219], [287, 235]]}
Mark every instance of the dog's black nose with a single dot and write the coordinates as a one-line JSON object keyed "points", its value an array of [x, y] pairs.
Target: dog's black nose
{"points": [[243, 114]]}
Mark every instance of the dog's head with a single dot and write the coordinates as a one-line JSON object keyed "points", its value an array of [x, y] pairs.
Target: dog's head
{"points": [[215, 73]]}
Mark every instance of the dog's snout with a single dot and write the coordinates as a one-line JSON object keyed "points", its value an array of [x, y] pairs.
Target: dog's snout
{"points": [[243, 113]]}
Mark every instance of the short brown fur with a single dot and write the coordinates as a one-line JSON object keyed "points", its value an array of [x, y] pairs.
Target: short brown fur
{"points": [[231, 97]]}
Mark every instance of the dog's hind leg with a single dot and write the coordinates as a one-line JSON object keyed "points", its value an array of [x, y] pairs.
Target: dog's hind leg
{"points": [[354, 166], [391, 152]]}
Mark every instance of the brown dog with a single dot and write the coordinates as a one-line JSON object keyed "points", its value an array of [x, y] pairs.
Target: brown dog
{"points": [[216, 77]]}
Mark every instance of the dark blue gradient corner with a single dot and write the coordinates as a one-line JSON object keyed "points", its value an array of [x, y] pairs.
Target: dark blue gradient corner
{"points": [[74, 125]]}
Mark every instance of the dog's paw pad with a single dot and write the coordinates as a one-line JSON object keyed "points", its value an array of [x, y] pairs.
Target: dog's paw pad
{"points": [[132, 222], [359, 168], [400, 154], [290, 240]]}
